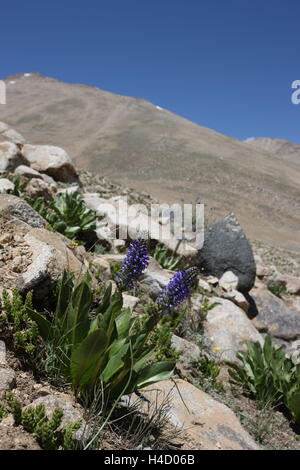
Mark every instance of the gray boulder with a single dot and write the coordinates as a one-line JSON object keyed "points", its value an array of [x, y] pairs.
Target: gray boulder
{"points": [[226, 248], [272, 316]]}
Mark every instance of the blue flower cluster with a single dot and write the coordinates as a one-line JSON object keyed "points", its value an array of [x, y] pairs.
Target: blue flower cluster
{"points": [[134, 265], [177, 290]]}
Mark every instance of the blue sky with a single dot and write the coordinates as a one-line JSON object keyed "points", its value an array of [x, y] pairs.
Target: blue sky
{"points": [[224, 64]]}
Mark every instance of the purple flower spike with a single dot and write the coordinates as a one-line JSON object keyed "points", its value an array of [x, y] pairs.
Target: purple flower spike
{"points": [[177, 290], [133, 266]]}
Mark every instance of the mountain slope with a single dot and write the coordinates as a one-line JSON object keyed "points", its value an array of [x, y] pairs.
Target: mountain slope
{"points": [[139, 144], [283, 148]]}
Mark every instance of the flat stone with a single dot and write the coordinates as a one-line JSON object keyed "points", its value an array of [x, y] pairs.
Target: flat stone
{"points": [[206, 424]]}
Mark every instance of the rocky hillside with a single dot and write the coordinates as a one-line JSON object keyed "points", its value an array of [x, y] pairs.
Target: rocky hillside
{"points": [[149, 148], [77, 307], [283, 148]]}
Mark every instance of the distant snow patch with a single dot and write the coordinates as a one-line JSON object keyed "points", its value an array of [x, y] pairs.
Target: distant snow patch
{"points": [[27, 74], [158, 107], [12, 82], [249, 139]]}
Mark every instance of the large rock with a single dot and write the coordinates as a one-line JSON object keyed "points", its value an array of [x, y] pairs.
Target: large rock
{"points": [[10, 156], [190, 352], [12, 208], [24, 170], [227, 327], [206, 423], [8, 134], [12, 136], [53, 161], [271, 316], [226, 248], [72, 412], [31, 257]]}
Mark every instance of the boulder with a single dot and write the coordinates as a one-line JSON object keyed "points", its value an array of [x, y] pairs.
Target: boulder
{"points": [[271, 316], [32, 257], [6, 185], [227, 327], [10, 156], [206, 424], [12, 136], [226, 248], [39, 188], [24, 170], [53, 161], [72, 411], [12, 208], [190, 352]]}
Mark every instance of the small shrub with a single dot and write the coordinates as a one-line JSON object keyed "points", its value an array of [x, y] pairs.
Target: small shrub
{"points": [[16, 322], [269, 376], [207, 373], [68, 215], [276, 289], [48, 433], [166, 259]]}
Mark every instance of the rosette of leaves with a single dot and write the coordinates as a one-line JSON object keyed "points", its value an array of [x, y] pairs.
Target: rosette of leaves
{"points": [[102, 348], [271, 377], [68, 215]]}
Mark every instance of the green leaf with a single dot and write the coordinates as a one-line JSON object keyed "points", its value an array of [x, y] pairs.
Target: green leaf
{"points": [[123, 323], [114, 364], [66, 285], [155, 372], [105, 301], [293, 404], [87, 358], [43, 324], [78, 323]]}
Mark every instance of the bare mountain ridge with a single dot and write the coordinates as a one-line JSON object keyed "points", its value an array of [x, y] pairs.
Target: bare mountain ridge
{"points": [[149, 148], [283, 148]]}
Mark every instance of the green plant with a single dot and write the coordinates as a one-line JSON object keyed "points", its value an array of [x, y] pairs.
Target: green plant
{"points": [[99, 346], [163, 331], [276, 288], [68, 215], [271, 377], [207, 373], [20, 185], [48, 432], [167, 260], [16, 322], [115, 268], [3, 412]]}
